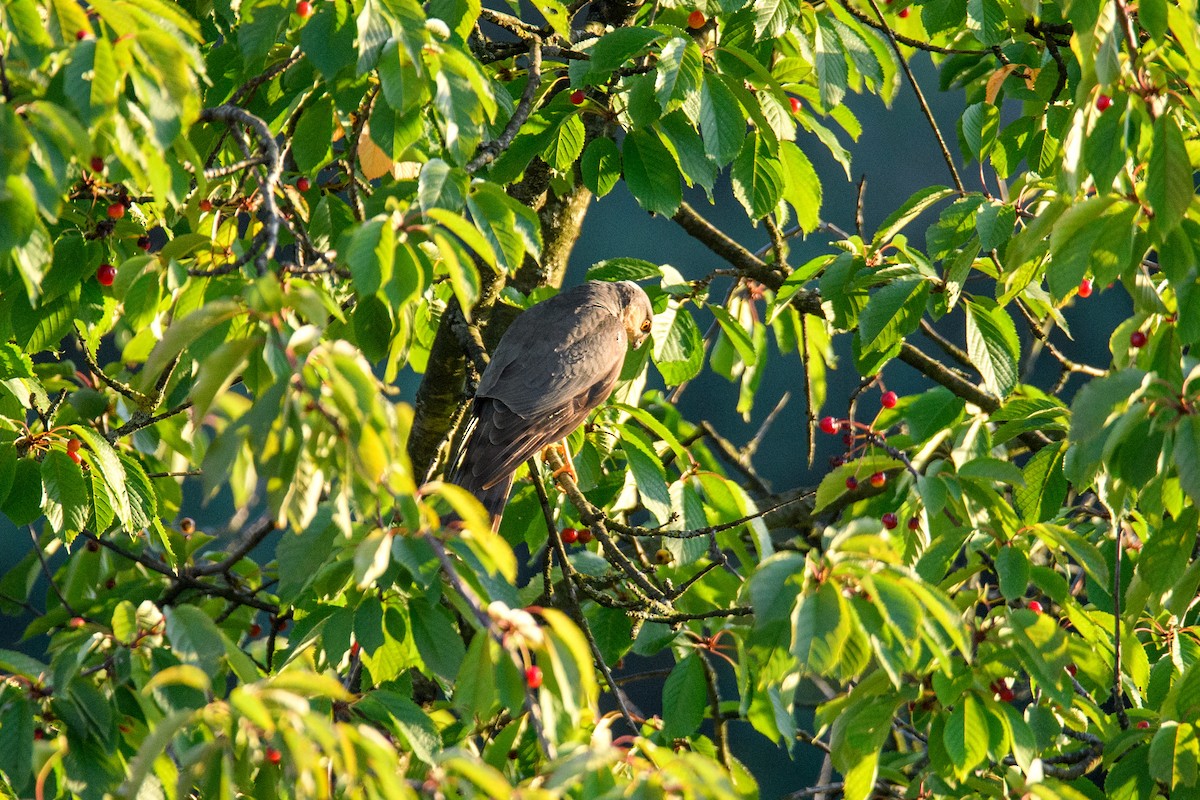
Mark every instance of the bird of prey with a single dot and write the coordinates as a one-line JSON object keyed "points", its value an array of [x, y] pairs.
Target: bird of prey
{"points": [[556, 362]]}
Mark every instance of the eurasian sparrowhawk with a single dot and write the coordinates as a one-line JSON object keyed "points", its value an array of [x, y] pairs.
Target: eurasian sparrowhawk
{"points": [[556, 362]]}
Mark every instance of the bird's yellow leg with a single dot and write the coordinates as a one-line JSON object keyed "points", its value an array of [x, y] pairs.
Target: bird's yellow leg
{"points": [[567, 468]]}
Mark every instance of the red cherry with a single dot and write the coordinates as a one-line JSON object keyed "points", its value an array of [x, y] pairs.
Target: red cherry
{"points": [[569, 535], [836, 461], [1035, 606], [888, 400], [274, 756], [533, 676], [303, 184], [1143, 724], [1085, 288], [1006, 694], [304, 9], [878, 479], [143, 243], [81, 35], [1103, 102], [255, 630], [73, 445], [852, 483], [795, 103], [585, 535], [75, 456], [914, 523], [354, 648], [97, 164], [697, 20], [39, 734], [116, 210], [77, 622], [828, 425], [890, 521], [903, 13], [105, 274], [577, 97], [280, 625], [1072, 670], [847, 439], [1137, 339], [206, 205]]}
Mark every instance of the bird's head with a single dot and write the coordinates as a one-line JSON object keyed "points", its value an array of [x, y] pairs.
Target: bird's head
{"points": [[636, 312]]}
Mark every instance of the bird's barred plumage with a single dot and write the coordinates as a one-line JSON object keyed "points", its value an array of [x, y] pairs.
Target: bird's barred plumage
{"points": [[556, 362]]}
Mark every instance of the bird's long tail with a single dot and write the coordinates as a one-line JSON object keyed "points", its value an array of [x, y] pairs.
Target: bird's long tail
{"points": [[493, 498]]}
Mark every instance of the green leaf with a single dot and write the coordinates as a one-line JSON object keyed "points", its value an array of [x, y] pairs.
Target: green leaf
{"points": [[1012, 566], [1045, 487], [65, 497], [978, 128], [556, 14], [685, 698], [986, 19], [372, 327], [651, 174], [183, 332], [678, 73], [893, 312], [993, 345], [830, 61], [820, 627], [995, 223], [722, 124], [195, 638], [600, 166], [107, 463], [615, 48], [469, 234], [773, 17], [678, 346], [437, 639], [566, 144], [1041, 647], [14, 362], [648, 474], [801, 186], [1174, 753], [1187, 455], [757, 176], [737, 335], [327, 39], [908, 211], [623, 269], [371, 255], [1169, 182], [314, 135], [511, 227], [442, 186], [966, 735]]}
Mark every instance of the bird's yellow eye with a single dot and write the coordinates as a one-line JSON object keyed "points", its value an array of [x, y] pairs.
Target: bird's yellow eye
{"points": [[646, 326]]}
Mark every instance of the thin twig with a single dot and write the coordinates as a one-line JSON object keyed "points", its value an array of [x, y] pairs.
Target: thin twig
{"points": [[555, 544], [908, 40], [262, 248], [488, 151], [912, 80], [37, 546]]}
